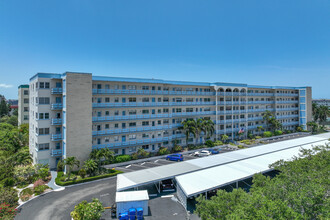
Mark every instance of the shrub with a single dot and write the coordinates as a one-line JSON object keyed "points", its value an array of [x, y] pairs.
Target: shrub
{"points": [[60, 179], [43, 173], [135, 156], [40, 189], [7, 211], [163, 151], [209, 143], [240, 147], [230, 143], [25, 198], [9, 182], [278, 132], [82, 172], [218, 143], [8, 195], [60, 166], [37, 183], [251, 136], [177, 148], [122, 158], [268, 134], [258, 137], [27, 191], [88, 211], [299, 129]]}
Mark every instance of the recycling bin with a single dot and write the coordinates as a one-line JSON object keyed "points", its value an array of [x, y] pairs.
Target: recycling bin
{"points": [[132, 213], [139, 213]]}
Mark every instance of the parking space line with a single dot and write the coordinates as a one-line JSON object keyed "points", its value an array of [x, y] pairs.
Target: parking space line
{"points": [[128, 166]]}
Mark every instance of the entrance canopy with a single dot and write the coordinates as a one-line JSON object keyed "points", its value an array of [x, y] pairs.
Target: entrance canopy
{"points": [[143, 177]]}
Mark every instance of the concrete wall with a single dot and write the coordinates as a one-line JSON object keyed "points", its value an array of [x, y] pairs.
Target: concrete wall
{"points": [[309, 116], [21, 105], [78, 119]]}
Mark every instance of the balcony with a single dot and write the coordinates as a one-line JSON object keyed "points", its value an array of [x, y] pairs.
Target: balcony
{"points": [[138, 142], [57, 106], [56, 121], [261, 94], [287, 116], [287, 109], [56, 153], [260, 110], [231, 93], [56, 137], [149, 92], [287, 94], [287, 102], [149, 104], [261, 102], [255, 119], [57, 91], [291, 123]]}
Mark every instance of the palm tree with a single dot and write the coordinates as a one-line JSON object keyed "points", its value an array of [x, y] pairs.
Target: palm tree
{"points": [[260, 128], [315, 112], [101, 155], [313, 125], [142, 152], [208, 127], [90, 166], [189, 128], [224, 138], [268, 117], [323, 112], [71, 162]]}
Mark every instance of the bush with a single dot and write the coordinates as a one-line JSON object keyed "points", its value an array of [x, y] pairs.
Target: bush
{"points": [[135, 156], [9, 182], [163, 151], [60, 178], [299, 129], [37, 183], [88, 211], [8, 195], [258, 137], [60, 166], [82, 172], [27, 191], [240, 147], [209, 143], [268, 134], [7, 211], [122, 158], [40, 189], [177, 148], [218, 143], [278, 132], [43, 173]]}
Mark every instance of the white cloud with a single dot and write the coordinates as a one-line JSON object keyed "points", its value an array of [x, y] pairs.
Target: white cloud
{"points": [[2, 85]]}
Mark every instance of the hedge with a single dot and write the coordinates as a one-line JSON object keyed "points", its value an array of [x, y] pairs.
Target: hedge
{"points": [[87, 179]]}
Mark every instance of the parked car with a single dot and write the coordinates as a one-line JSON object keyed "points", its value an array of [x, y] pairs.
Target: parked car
{"points": [[167, 185], [214, 151], [175, 157], [202, 153]]}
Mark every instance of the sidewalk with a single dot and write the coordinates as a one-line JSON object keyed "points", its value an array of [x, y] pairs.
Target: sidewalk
{"points": [[52, 183]]}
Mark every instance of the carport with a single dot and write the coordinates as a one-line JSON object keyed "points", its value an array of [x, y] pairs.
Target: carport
{"points": [[203, 181], [155, 175]]}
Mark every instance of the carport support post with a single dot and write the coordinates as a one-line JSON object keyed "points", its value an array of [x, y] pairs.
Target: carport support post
{"points": [[237, 185], [205, 195]]}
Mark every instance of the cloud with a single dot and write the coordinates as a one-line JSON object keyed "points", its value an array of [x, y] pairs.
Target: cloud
{"points": [[2, 85]]}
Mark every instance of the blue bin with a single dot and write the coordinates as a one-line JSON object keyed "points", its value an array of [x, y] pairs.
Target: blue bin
{"points": [[132, 213], [123, 216], [139, 213]]}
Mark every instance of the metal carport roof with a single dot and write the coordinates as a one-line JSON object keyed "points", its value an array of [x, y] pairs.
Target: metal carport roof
{"points": [[152, 175]]}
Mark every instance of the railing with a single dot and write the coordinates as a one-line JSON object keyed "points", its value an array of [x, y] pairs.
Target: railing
{"points": [[55, 153], [287, 94], [261, 94], [261, 102], [56, 121], [138, 142], [149, 92], [291, 123], [255, 119], [285, 102], [287, 116], [57, 90], [231, 93], [260, 110], [56, 106], [287, 109], [56, 137], [133, 130], [149, 104], [148, 116]]}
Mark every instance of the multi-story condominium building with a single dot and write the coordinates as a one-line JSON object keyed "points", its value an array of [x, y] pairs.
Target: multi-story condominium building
{"points": [[23, 104], [73, 113], [322, 101]]}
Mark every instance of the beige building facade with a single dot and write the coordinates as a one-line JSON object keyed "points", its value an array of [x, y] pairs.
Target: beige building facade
{"points": [[73, 113], [23, 104]]}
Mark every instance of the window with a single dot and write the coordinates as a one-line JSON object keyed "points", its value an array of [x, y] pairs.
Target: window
{"points": [[116, 112], [26, 109], [165, 99], [189, 99], [145, 135], [107, 113], [47, 85], [116, 125], [145, 111], [165, 121], [46, 115], [145, 99], [43, 100], [26, 101], [132, 87], [189, 109], [106, 139], [132, 99], [107, 126], [132, 124], [145, 123], [41, 115], [107, 86], [43, 131], [165, 110], [107, 99], [26, 92], [145, 87], [43, 146], [132, 136], [132, 112], [26, 117], [159, 122], [41, 85], [117, 99]]}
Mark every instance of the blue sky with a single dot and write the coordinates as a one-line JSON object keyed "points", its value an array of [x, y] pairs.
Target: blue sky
{"points": [[264, 42]]}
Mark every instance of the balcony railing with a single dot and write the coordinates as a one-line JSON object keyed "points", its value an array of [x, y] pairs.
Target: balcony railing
{"points": [[287, 94], [133, 130], [261, 94], [148, 116], [255, 119], [287, 102], [286, 116], [56, 121], [260, 110], [149, 104], [287, 109], [138, 142], [290, 123], [57, 90], [149, 92], [56, 153], [261, 102], [56, 106], [231, 93], [56, 137]]}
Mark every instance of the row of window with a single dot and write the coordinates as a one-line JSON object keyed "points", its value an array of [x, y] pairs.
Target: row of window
{"points": [[147, 99], [42, 131]]}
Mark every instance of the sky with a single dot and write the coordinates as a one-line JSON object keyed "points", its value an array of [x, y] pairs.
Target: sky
{"points": [[258, 42]]}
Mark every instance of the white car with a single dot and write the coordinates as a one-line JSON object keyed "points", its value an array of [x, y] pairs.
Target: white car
{"points": [[202, 153]]}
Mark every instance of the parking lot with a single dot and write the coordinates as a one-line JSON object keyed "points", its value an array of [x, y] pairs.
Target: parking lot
{"points": [[158, 162]]}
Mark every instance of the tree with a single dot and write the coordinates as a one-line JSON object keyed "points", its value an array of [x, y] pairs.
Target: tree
{"points": [[90, 166], [224, 138], [189, 128], [324, 113], [299, 191], [267, 117], [313, 125], [13, 120], [315, 112], [260, 128], [88, 211], [71, 162], [4, 109], [208, 127], [142, 153]]}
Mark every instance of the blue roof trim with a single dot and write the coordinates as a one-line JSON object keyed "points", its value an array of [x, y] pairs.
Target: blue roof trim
{"points": [[46, 75], [273, 87]]}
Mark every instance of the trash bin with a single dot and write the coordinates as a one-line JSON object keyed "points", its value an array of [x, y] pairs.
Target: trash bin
{"points": [[139, 213], [132, 213], [123, 216]]}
